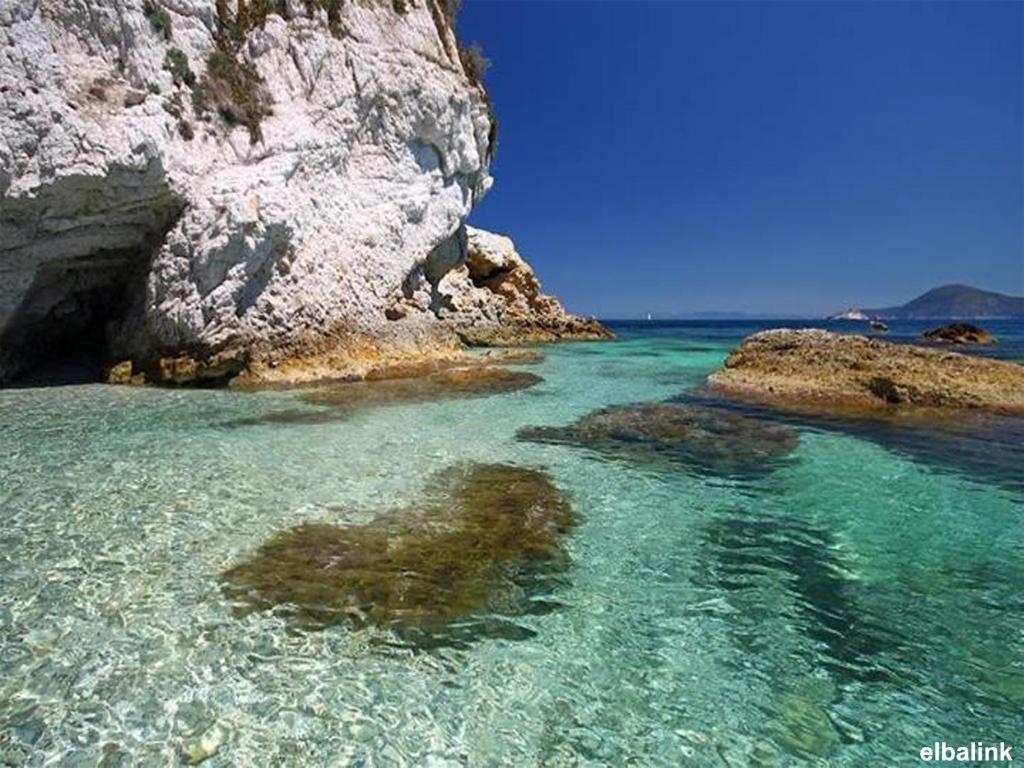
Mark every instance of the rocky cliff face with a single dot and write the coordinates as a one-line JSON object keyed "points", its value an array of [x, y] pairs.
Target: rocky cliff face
{"points": [[494, 298], [215, 187]]}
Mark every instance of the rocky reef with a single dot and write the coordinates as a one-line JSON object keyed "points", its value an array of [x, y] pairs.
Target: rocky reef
{"points": [[483, 542], [450, 384], [823, 371], [704, 439], [959, 333], [207, 189], [344, 399]]}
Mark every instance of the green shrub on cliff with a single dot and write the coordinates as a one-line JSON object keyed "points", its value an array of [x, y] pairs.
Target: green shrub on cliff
{"points": [[235, 90], [333, 10], [176, 62], [159, 19]]}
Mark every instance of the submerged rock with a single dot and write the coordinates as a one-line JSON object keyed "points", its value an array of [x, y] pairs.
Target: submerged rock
{"points": [[481, 543], [443, 385], [202, 748], [802, 726], [816, 370], [706, 439], [341, 400], [959, 333]]}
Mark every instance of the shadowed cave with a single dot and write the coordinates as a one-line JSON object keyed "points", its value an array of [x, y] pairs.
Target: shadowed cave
{"points": [[63, 330], [73, 261]]}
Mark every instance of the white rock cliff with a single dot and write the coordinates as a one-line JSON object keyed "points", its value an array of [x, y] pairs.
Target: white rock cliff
{"points": [[208, 188]]}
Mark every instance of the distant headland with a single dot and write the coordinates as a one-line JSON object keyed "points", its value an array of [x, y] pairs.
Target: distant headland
{"points": [[947, 301]]}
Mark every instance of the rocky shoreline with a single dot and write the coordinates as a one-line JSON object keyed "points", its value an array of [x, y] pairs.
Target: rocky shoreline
{"points": [[201, 192], [817, 370]]}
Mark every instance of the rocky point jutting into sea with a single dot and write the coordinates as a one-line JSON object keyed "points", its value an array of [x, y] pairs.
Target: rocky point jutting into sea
{"points": [[275, 191], [830, 372]]}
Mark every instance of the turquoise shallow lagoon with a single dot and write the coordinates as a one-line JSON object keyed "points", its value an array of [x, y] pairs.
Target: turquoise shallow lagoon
{"points": [[858, 600]]}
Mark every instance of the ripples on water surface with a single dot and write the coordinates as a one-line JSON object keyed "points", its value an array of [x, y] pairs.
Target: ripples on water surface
{"points": [[858, 600]]}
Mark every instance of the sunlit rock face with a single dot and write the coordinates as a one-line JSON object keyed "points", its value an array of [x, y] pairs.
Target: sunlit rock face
{"points": [[486, 540], [815, 371], [494, 297], [241, 188], [698, 438]]}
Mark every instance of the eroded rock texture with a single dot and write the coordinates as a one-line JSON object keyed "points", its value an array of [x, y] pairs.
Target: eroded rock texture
{"points": [[495, 298], [816, 370], [234, 186]]}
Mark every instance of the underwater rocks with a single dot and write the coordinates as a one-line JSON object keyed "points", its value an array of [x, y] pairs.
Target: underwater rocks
{"points": [[705, 439], [819, 370], [483, 542], [960, 333], [443, 385], [341, 400]]}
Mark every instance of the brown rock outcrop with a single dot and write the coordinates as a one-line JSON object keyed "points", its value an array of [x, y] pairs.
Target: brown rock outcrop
{"points": [[960, 333], [820, 370], [494, 299]]}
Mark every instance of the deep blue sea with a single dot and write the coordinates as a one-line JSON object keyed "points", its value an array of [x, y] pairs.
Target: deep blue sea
{"points": [[851, 602]]}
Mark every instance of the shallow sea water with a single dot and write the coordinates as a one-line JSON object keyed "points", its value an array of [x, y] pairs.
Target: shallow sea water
{"points": [[855, 603]]}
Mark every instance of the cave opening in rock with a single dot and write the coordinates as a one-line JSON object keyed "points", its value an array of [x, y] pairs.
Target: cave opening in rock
{"points": [[74, 254], [63, 330]]}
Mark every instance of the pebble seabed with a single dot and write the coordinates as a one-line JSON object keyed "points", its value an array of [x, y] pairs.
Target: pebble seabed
{"points": [[856, 598]]}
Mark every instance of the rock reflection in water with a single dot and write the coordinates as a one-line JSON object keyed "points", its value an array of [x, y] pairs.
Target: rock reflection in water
{"points": [[707, 440], [485, 544], [751, 558]]}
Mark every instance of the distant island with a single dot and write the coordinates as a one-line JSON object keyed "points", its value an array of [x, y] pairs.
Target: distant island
{"points": [[947, 301]]}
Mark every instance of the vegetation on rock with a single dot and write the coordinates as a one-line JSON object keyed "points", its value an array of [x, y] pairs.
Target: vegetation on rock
{"points": [[235, 90], [475, 64], [159, 19], [176, 62], [330, 7]]}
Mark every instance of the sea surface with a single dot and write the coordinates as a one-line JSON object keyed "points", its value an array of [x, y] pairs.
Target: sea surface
{"points": [[846, 604]]}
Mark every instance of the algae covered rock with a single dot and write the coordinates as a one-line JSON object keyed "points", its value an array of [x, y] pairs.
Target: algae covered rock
{"points": [[442, 385], [705, 439], [484, 541], [341, 400]]}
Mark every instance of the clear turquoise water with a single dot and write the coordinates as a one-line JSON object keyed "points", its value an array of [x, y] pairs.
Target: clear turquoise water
{"points": [[856, 603]]}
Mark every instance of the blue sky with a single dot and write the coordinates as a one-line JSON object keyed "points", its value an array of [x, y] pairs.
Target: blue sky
{"points": [[759, 157]]}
